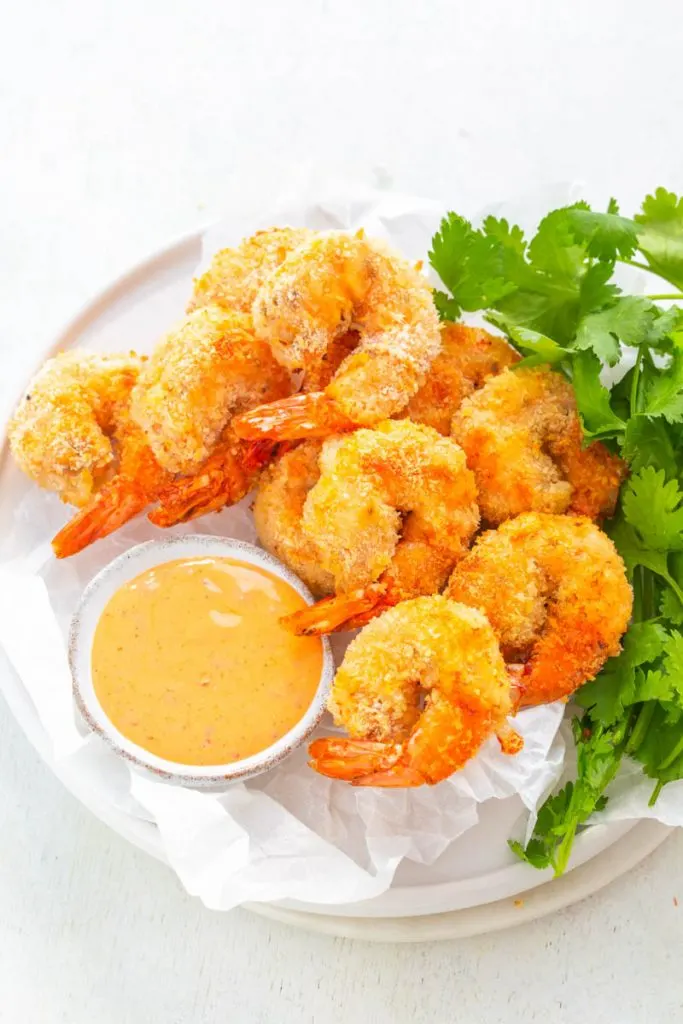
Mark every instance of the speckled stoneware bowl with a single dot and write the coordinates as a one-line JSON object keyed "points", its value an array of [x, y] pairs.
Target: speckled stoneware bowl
{"points": [[96, 595]]}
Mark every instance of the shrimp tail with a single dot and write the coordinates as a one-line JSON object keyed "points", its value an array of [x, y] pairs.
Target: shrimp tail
{"points": [[362, 762], [510, 741], [339, 757], [345, 611], [221, 482], [258, 454], [303, 415], [121, 500]]}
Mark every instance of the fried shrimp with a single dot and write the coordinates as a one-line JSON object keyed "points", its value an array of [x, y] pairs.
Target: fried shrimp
{"points": [[331, 284], [556, 594], [430, 649], [393, 511], [235, 276], [522, 436], [177, 445], [207, 369], [468, 357], [278, 510], [62, 433]]}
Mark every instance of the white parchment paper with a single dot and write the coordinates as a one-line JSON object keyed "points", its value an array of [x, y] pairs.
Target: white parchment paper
{"points": [[290, 833]]}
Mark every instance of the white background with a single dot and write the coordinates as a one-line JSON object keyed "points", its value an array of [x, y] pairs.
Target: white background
{"points": [[124, 124]]}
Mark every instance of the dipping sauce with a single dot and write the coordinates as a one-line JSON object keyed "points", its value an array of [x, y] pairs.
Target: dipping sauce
{"points": [[189, 660]]}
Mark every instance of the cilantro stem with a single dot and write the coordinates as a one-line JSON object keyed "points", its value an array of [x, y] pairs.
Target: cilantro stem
{"points": [[672, 756], [655, 793], [635, 382], [673, 296], [564, 850], [634, 262], [640, 728]]}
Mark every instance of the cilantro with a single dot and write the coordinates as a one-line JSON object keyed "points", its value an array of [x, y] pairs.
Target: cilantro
{"points": [[647, 442], [626, 321], [598, 755], [664, 387], [652, 505], [608, 235], [555, 297], [593, 398], [660, 235], [540, 349]]}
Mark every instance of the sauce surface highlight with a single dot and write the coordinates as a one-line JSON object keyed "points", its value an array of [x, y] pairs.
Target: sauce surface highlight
{"points": [[189, 660]]}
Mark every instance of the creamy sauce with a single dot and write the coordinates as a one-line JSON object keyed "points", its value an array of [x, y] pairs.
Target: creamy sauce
{"points": [[189, 661]]}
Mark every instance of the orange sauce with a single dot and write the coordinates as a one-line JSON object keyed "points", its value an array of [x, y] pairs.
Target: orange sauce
{"points": [[189, 661]]}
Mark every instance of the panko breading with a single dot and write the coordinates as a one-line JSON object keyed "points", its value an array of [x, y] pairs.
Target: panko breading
{"points": [[429, 648], [278, 508], [395, 504], [468, 357], [199, 375], [61, 433], [235, 276], [555, 591], [523, 440], [333, 283]]}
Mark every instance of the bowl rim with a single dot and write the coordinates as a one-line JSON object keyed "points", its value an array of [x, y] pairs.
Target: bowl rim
{"points": [[126, 567]]}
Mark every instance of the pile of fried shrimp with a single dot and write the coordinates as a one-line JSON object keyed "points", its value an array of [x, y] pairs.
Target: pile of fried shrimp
{"points": [[428, 491]]}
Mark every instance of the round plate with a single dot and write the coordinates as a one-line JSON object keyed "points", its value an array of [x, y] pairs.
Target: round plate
{"points": [[476, 881]]}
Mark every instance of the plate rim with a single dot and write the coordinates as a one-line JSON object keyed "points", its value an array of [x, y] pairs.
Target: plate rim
{"points": [[143, 834]]}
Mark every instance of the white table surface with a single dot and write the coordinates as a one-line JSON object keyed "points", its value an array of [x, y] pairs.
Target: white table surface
{"points": [[126, 124]]}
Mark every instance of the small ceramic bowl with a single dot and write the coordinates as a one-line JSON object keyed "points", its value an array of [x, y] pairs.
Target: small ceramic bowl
{"points": [[95, 597]]}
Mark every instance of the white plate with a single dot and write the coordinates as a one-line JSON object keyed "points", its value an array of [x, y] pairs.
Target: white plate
{"points": [[477, 877]]}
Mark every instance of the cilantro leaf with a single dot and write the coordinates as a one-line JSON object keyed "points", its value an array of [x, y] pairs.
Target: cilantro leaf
{"points": [[660, 235], [663, 327], [661, 749], [627, 320], [541, 349], [598, 755], [664, 387], [647, 442], [446, 306], [511, 237], [671, 608], [652, 505], [595, 291], [469, 264], [614, 688], [593, 399], [608, 235]]}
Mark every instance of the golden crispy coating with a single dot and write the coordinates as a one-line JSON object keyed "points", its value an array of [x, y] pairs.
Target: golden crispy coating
{"points": [[61, 432], [468, 357], [429, 648], [556, 594], [395, 504], [370, 480], [282, 491], [236, 275], [199, 375], [325, 287], [522, 436]]}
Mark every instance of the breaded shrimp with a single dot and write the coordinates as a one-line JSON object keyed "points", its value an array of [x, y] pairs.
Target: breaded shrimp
{"points": [[236, 275], [207, 369], [468, 357], [555, 591], [325, 287], [397, 505], [429, 648], [179, 423], [61, 434], [278, 509], [522, 436], [223, 479]]}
